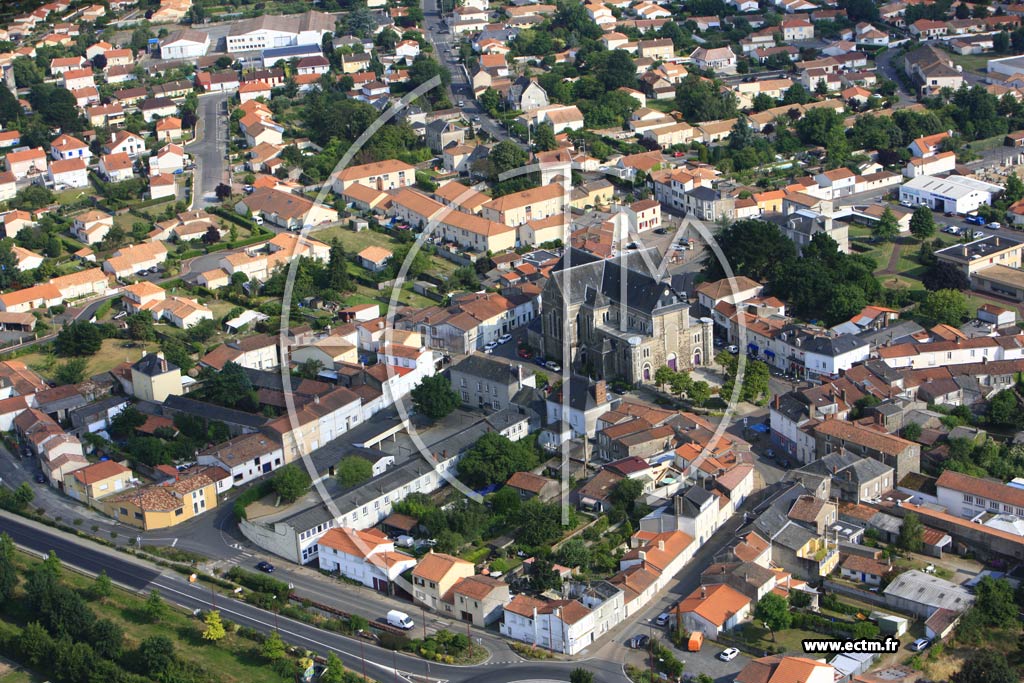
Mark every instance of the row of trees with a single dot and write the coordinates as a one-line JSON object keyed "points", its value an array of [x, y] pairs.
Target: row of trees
{"points": [[680, 383]]}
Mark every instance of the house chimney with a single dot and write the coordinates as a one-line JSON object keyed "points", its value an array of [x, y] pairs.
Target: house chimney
{"points": [[316, 399], [600, 391], [703, 592], [661, 545], [842, 395], [778, 400]]}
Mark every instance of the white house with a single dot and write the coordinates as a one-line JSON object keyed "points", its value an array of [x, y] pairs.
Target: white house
{"points": [[69, 173], [67, 147], [116, 167], [368, 557], [713, 609], [245, 457]]}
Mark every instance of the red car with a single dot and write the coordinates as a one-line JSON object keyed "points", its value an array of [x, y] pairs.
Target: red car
{"points": [[524, 354]]}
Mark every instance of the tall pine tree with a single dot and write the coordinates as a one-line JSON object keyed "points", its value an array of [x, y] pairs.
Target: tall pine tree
{"points": [[340, 281]]}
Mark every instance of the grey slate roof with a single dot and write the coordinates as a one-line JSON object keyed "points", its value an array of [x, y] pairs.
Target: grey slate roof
{"points": [[490, 369], [599, 281]]}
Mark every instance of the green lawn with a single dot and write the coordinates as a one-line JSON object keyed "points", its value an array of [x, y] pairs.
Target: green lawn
{"points": [[19, 676], [666, 106], [113, 353], [976, 63]]}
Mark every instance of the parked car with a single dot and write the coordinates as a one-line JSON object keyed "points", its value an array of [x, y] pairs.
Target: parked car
{"points": [[490, 346], [505, 338], [978, 234], [553, 366], [733, 349], [660, 231], [40, 479], [728, 654], [524, 353], [265, 567], [907, 204], [400, 620], [639, 642], [975, 220], [919, 644], [994, 225], [662, 619]]}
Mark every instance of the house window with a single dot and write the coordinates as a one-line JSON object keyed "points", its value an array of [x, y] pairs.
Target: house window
{"points": [[968, 499], [138, 515]]}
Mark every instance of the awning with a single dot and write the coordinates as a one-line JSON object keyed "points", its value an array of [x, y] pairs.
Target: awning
{"points": [[752, 348], [769, 353]]}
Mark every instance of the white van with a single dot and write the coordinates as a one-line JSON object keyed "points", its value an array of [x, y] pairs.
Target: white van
{"points": [[258, 220], [399, 619]]}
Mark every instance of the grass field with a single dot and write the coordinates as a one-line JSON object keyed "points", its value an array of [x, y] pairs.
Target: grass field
{"points": [[976, 63], [19, 676], [113, 353], [232, 660]]}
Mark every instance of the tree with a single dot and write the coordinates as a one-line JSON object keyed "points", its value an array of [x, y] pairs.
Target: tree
{"points": [[26, 73], [36, 644], [334, 671], [8, 570], [126, 422], [544, 577], [106, 639], [574, 553], [140, 326], [1014, 188], [72, 371], [337, 267], [228, 387], [202, 330], [273, 647], [222, 191], [102, 586], [353, 470], [155, 655], [494, 458], [434, 397], [942, 275], [887, 228], [773, 611], [663, 375], [310, 368], [1003, 409], [155, 608], [985, 666], [699, 393], [911, 533], [581, 675], [79, 339], [290, 482], [946, 306], [753, 248], [544, 138], [1001, 42], [922, 223], [214, 630], [995, 603], [911, 431]]}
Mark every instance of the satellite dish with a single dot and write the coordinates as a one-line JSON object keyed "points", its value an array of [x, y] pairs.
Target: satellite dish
{"points": [[634, 341]]}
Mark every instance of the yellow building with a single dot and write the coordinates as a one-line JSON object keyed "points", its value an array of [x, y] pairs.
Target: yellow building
{"points": [[102, 479], [436, 574], [161, 506], [154, 378]]}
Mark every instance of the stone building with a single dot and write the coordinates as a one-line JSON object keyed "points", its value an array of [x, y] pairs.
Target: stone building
{"points": [[621, 323]]}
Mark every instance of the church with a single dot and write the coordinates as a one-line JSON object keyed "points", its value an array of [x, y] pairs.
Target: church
{"points": [[611, 319]]}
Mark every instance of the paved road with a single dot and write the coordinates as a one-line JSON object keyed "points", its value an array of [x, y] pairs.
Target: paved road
{"points": [[208, 148], [379, 663], [461, 89]]}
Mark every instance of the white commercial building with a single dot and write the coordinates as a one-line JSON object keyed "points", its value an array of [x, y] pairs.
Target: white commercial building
{"points": [[958, 194], [268, 32], [186, 44]]}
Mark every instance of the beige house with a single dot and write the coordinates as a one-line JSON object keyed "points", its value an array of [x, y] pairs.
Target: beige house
{"points": [[528, 205], [435, 575], [154, 378], [380, 175], [97, 481], [479, 600]]}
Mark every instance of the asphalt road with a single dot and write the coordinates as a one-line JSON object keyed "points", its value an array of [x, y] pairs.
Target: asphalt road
{"points": [[461, 88], [208, 148], [379, 663]]}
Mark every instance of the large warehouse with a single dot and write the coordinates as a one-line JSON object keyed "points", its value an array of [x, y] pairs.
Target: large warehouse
{"points": [[958, 194]]}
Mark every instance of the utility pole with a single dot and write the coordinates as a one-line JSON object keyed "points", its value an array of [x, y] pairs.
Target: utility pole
{"points": [[362, 656], [423, 616], [469, 637]]}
